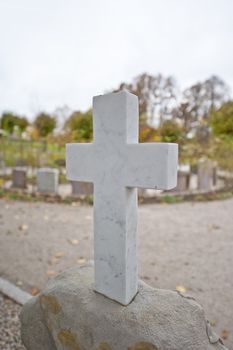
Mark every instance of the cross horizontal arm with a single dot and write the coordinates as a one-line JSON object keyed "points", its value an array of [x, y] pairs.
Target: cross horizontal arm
{"points": [[80, 162], [152, 165]]}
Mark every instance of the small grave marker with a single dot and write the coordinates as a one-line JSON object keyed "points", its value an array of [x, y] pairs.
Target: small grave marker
{"points": [[116, 164], [206, 174], [19, 178], [183, 180], [47, 180]]}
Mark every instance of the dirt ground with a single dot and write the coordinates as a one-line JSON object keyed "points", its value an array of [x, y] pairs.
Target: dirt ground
{"points": [[188, 246]]}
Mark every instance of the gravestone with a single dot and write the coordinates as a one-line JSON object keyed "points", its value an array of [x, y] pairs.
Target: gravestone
{"points": [[116, 164], [47, 180], [19, 178], [80, 188], [206, 174], [183, 180], [106, 308]]}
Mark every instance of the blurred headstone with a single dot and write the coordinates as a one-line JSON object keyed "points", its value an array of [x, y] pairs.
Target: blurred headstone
{"points": [[80, 188], [47, 180], [207, 174], [183, 180], [19, 177]]}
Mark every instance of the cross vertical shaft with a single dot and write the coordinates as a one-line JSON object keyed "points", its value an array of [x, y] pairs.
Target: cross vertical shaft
{"points": [[115, 230], [115, 206]]}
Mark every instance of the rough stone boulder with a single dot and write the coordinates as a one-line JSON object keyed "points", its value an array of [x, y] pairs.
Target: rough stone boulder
{"points": [[69, 315]]}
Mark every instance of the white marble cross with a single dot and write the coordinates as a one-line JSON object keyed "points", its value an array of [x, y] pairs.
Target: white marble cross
{"points": [[117, 164]]}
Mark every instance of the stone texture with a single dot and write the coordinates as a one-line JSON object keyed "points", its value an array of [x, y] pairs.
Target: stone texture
{"points": [[47, 180], [69, 315], [9, 325], [19, 178], [117, 165]]}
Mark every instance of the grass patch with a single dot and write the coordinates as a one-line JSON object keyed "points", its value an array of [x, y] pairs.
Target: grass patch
{"points": [[169, 199], [13, 194]]}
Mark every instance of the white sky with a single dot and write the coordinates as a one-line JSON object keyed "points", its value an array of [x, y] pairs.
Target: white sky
{"points": [[56, 52]]}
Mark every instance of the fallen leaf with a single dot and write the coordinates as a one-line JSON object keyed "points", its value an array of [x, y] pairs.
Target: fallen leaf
{"points": [[50, 273], [73, 241], [225, 334], [55, 259], [59, 255], [81, 260], [23, 227], [146, 278], [34, 291], [181, 289], [216, 227]]}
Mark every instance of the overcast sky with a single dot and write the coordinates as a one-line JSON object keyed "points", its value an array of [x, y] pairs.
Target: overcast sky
{"points": [[57, 52]]}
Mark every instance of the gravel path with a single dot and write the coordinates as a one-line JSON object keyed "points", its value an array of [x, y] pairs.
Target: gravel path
{"points": [[9, 325], [188, 246]]}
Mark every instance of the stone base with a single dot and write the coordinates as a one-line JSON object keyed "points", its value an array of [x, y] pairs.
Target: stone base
{"points": [[69, 315]]}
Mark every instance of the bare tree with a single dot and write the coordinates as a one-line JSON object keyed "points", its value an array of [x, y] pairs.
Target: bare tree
{"points": [[182, 112], [216, 91], [164, 95], [202, 97], [193, 97], [156, 94]]}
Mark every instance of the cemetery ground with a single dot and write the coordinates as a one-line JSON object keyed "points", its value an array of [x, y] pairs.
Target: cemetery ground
{"points": [[186, 246]]}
